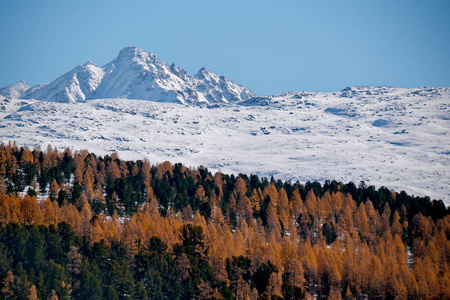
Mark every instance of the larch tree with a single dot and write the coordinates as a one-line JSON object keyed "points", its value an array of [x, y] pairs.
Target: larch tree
{"points": [[85, 221], [27, 156], [124, 169], [30, 213], [49, 213], [33, 293], [283, 208], [132, 236], [296, 203], [244, 206], [293, 269], [113, 170], [311, 204], [79, 165], [255, 199], [88, 182]]}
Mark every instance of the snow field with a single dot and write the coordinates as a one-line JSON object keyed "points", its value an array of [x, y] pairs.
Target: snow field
{"points": [[390, 137]]}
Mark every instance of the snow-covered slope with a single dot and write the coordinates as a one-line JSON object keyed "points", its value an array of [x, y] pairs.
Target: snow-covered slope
{"points": [[75, 86], [393, 137], [134, 74], [15, 90]]}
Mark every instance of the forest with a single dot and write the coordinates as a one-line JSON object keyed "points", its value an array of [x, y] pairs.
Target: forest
{"points": [[76, 225]]}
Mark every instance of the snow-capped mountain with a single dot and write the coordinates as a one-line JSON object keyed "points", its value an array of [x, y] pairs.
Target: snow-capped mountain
{"points": [[134, 74], [76, 85], [15, 90], [393, 137]]}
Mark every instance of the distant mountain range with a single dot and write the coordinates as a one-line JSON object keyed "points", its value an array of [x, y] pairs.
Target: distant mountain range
{"points": [[133, 74]]}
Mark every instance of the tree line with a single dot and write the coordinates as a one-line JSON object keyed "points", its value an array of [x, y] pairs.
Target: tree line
{"points": [[80, 226]]}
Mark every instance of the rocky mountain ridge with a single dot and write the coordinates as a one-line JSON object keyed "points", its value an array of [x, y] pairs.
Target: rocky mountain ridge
{"points": [[133, 74]]}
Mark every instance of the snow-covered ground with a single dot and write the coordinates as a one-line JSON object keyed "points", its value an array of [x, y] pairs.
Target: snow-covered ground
{"points": [[390, 137]]}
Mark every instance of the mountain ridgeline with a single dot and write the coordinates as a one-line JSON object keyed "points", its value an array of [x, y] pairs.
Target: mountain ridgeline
{"points": [[133, 74], [75, 225]]}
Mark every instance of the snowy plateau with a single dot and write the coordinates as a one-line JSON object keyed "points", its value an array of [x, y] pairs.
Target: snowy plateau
{"points": [[384, 136]]}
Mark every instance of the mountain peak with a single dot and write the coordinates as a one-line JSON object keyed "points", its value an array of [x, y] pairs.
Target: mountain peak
{"points": [[88, 64], [134, 52], [203, 73], [131, 50]]}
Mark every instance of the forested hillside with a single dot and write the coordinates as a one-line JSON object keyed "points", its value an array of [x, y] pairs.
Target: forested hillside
{"points": [[75, 225]]}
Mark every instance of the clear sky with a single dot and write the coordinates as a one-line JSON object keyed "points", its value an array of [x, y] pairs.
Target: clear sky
{"points": [[267, 46]]}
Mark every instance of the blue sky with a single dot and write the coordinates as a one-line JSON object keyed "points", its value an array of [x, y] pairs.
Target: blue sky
{"points": [[268, 46]]}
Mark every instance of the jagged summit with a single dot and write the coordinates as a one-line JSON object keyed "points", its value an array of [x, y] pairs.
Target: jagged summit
{"points": [[134, 74], [135, 56], [132, 51], [202, 72]]}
